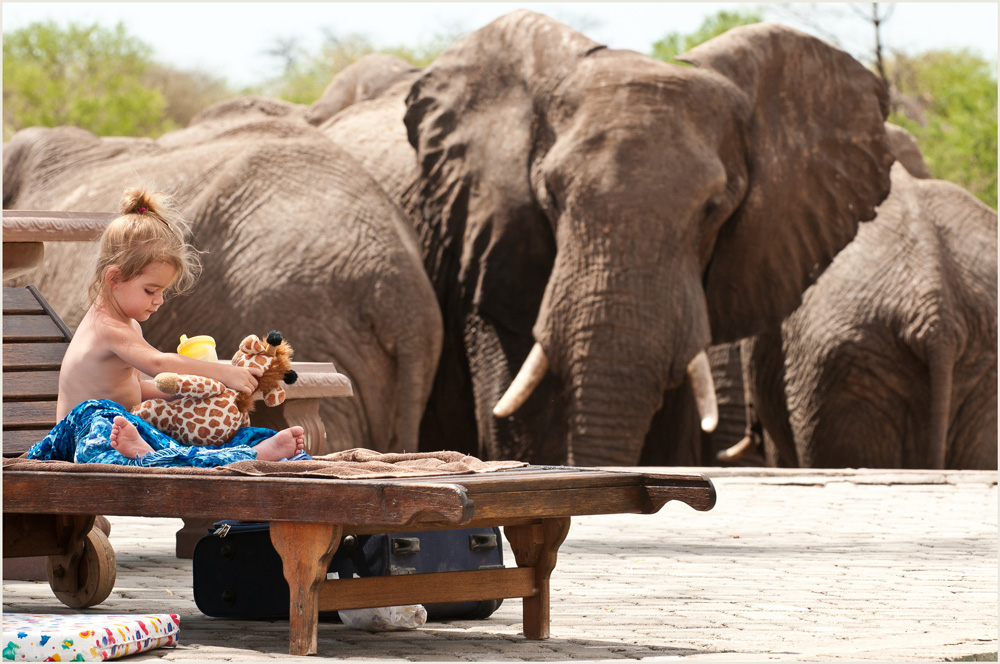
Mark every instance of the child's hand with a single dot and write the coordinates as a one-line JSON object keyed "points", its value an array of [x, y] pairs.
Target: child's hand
{"points": [[242, 379]]}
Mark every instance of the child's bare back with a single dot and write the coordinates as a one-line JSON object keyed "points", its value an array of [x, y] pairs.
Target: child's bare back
{"points": [[91, 370]]}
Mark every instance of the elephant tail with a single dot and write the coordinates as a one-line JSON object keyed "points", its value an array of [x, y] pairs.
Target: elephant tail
{"points": [[941, 364]]}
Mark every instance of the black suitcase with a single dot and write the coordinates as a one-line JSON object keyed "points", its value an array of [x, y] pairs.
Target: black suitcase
{"points": [[238, 574]]}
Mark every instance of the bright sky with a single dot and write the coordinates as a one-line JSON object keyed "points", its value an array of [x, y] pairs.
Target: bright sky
{"points": [[230, 39]]}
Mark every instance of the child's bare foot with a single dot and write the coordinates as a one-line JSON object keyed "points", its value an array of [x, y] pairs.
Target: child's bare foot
{"points": [[126, 439], [287, 442]]}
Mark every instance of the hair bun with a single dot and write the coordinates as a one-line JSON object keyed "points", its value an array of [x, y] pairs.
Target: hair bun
{"points": [[137, 201]]}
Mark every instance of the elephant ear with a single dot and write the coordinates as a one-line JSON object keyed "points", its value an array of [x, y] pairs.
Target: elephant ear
{"points": [[471, 119], [818, 161]]}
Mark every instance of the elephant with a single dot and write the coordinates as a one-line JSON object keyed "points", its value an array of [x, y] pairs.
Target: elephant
{"points": [[296, 237], [366, 78], [371, 131], [730, 362], [891, 359], [592, 219]]}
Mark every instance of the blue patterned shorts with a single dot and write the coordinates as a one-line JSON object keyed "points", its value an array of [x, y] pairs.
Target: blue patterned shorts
{"points": [[84, 436]]}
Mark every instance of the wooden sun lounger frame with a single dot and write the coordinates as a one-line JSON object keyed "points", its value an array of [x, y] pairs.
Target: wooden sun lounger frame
{"points": [[309, 516], [52, 513]]}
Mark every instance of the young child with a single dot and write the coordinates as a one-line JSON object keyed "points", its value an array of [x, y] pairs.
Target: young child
{"points": [[143, 255]]}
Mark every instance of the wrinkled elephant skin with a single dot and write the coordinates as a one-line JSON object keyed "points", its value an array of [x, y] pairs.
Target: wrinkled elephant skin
{"points": [[296, 238]]}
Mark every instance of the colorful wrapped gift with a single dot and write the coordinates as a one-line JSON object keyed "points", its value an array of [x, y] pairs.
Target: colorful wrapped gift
{"points": [[40, 637]]}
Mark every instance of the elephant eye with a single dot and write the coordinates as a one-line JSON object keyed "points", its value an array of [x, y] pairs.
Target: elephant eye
{"points": [[712, 206]]}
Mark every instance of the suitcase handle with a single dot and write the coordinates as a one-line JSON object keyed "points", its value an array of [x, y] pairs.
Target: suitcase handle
{"points": [[405, 546], [480, 542]]}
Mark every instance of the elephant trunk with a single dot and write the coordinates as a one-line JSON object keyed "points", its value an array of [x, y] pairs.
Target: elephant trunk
{"points": [[608, 419], [615, 371], [619, 335]]}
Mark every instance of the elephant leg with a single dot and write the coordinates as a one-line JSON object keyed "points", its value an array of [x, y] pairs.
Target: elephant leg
{"points": [[851, 432], [772, 457], [738, 438], [764, 375], [858, 407], [972, 435], [473, 373]]}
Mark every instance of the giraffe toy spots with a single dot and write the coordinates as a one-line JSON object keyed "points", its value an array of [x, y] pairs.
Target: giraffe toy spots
{"points": [[205, 411]]}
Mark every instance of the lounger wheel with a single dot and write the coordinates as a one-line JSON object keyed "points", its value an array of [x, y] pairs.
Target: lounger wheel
{"points": [[92, 579]]}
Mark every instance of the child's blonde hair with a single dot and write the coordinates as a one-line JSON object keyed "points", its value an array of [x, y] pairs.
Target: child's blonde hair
{"points": [[149, 230]]}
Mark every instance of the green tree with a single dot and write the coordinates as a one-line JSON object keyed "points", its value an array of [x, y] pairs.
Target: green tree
{"points": [[675, 43], [948, 101], [186, 92], [425, 52], [87, 76], [306, 75]]}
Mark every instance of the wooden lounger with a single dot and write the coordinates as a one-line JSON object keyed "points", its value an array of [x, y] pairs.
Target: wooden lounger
{"points": [[52, 513], [310, 515]]}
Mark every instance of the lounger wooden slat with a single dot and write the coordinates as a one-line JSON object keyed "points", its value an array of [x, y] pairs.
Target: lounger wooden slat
{"points": [[35, 341], [20, 301], [28, 414], [30, 328], [39, 356], [250, 498], [294, 498], [29, 386], [18, 441]]}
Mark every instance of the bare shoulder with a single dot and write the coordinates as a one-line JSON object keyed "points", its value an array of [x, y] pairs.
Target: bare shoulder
{"points": [[114, 328]]}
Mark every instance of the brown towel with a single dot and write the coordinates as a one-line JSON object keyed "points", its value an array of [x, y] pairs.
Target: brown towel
{"points": [[356, 463]]}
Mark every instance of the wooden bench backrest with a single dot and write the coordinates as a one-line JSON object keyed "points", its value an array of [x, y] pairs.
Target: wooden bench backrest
{"points": [[34, 342]]}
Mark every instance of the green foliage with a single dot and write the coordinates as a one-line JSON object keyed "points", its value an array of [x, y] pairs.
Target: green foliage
{"points": [[87, 76], [948, 101], [426, 52], [307, 75], [675, 43], [186, 92]]}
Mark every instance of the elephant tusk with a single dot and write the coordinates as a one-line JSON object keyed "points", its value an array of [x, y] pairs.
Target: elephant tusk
{"points": [[700, 374], [735, 452], [527, 379]]}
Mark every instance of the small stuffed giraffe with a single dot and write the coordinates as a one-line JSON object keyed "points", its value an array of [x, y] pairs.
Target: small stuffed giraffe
{"points": [[209, 413]]}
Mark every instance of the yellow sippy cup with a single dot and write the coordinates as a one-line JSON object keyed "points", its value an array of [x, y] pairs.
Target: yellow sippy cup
{"points": [[200, 348]]}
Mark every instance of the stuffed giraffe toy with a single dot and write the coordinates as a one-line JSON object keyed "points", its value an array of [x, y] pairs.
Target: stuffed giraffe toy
{"points": [[207, 412]]}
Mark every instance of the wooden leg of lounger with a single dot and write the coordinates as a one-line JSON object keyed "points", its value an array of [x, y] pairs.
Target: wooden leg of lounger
{"points": [[305, 550], [535, 545]]}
